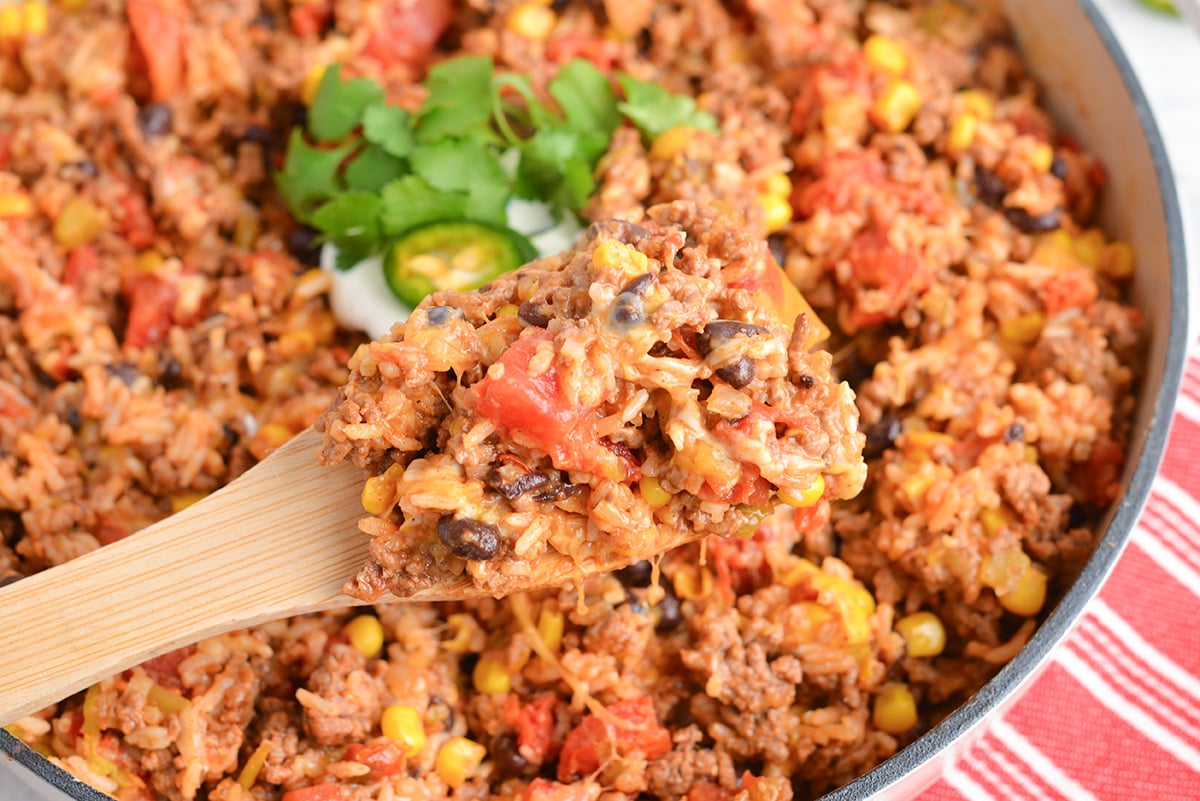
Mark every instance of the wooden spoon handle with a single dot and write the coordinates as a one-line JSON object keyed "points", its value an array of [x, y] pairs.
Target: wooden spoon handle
{"points": [[280, 540]]}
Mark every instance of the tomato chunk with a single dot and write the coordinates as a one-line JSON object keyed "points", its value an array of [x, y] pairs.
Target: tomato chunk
{"points": [[151, 300], [157, 27], [383, 757], [408, 31], [534, 722], [317, 792], [590, 743]]}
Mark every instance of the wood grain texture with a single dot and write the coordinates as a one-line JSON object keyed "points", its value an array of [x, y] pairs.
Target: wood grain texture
{"points": [[281, 540]]}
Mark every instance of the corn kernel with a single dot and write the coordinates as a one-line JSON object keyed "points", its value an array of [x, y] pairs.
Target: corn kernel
{"points": [[923, 633], [148, 261], [671, 142], [1024, 329], [962, 133], [977, 102], [73, 5], [79, 222], [915, 486], [777, 183], [1117, 260], [1028, 596], [896, 106], [532, 21], [490, 675], [885, 53], [35, 18], [185, 499], [378, 495], [895, 709], [508, 310], [1088, 247], [15, 204], [312, 82], [456, 759], [1042, 157], [777, 211], [652, 491], [12, 22], [800, 571], [465, 634], [692, 583], [550, 627], [403, 725], [993, 520], [273, 435], [366, 635], [1031, 454], [618, 256], [806, 497]]}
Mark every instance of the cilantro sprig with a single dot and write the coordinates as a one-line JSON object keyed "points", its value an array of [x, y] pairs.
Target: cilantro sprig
{"points": [[363, 171]]}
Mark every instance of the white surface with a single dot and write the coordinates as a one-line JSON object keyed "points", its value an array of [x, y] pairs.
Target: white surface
{"points": [[1166, 56]]}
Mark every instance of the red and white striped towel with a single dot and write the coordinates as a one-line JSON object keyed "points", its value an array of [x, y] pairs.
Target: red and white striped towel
{"points": [[1115, 714]]}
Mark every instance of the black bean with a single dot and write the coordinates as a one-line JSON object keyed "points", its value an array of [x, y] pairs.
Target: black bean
{"points": [[1077, 516], [1058, 167], [534, 314], [737, 374], [989, 186], [171, 374], [155, 119], [807, 381], [636, 575], [124, 371], [467, 538], [636, 606], [627, 310], [670, 616], [302, 244], [623, 230], [556, 491], [778, 246], [437, 315], [507, 761], [74, 418], [84, 170], [881, 435], [639, 285], [1028, 223], [719, 331], [523, 484], [1014, 433]]}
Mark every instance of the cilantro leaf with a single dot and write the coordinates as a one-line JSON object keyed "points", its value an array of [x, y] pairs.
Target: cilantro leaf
{"points": [[586, 98], [388, 127], [410, 201], [459, 100], [351, 222], [466, 166], [552, 167], [653, 110], [372, 169], [310, 174], [338, 105], [533, 114]]}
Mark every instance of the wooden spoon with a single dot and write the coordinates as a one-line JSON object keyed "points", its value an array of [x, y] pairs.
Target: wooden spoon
{"points": [[280, 540]]}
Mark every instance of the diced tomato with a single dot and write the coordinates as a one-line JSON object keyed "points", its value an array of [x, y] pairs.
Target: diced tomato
{"points": [[13, 403], [603, 53], [593, 740], [5, 150], [839, 178], [545, 790], [707, 791], [876, 264], [136, 224], [750, 488], [408, 31], [1068, 289], [151, 300], [812, 518], [739, 564], [80, 261], [1100, 475], [819, 85], [310, 18], [157, 27], [383, 757], [534, 722], [317, 792], [164, 668]]}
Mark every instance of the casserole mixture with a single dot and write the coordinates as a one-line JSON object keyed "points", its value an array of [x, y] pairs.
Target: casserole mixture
{"points": [[164, 326]]}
